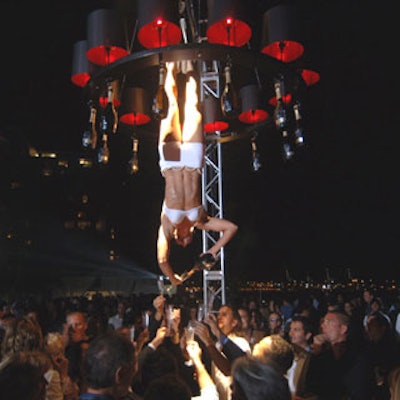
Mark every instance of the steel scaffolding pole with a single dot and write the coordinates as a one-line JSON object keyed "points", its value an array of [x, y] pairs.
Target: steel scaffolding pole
{"points": [[214, 279]]}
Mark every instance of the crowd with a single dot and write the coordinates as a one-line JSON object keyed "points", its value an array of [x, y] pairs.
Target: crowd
{"points": [[292, 346]]}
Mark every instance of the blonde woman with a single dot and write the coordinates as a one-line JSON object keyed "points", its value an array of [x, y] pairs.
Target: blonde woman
{"points": [[54, 347]]}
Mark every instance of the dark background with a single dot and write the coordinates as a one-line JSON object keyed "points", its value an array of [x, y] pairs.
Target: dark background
{"points": [[336, 207]]}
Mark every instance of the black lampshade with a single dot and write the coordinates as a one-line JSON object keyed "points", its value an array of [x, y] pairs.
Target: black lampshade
{"points": [[135, 109], [251, 111], [105, 36], [158, 23], [81, 69], [212, 116], [281, 33], [226, 23]]}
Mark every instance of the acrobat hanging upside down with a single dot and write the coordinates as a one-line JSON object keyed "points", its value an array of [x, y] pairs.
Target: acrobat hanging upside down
{"points": [[181, 159]]}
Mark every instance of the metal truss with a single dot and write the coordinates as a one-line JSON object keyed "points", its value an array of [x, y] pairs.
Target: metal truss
{"points": [[214, 279]]}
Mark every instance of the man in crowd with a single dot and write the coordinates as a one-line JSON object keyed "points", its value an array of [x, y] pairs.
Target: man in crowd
{"points": [[339, 367]]}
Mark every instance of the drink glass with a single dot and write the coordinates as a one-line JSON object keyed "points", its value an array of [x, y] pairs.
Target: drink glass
{"points": [[189, 336]]}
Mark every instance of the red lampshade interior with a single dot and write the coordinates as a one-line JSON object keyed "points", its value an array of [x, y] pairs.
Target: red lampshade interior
{"points": [[80, 79], [134, 119], [215, 126], [253, 116], [310, 77], [230, 32], [287, 98], [105, 55], [285, 51], [159, 33], [103, 100]]}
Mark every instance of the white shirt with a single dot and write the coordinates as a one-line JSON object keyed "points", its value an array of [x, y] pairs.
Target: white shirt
{"points": [[222, 381], [115, 321]]}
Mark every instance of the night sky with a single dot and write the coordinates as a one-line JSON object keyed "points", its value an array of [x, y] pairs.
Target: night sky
{"points": [[336, 207]]}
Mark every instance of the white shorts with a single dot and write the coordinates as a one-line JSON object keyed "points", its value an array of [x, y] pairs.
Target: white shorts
{"points": [[192, 156], [177, 216]]}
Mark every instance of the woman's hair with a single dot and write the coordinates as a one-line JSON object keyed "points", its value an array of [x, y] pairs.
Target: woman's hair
{"points": [[22, 334], [54, 343], [21, 377]]}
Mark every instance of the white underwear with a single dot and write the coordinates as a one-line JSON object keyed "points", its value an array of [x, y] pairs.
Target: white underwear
{"points": [[192, 156], [177, 216]]}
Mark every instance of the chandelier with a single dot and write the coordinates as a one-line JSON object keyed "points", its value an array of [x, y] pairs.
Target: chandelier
{"points": [[250, 77]]}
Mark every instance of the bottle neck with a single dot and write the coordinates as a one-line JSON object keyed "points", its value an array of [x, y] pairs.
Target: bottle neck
{"points": [[110, 96], [161, 78], [92, 118], [278, 93], [297, 115], [227, 76]]}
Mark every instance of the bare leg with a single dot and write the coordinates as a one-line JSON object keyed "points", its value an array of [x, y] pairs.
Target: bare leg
{"points": [[170, 129], [192, 130]]}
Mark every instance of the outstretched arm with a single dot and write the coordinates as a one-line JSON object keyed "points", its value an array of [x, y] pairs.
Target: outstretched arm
{"points": [[227, 228], [163, 248]]}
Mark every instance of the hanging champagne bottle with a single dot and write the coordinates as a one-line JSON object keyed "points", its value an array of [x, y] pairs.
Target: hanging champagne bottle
{"points": [[229, 96], [160, 101], [256, 163], [280, 116], [110, 112], [89, 137], [298, 130], [287, 149], [103, 154]]}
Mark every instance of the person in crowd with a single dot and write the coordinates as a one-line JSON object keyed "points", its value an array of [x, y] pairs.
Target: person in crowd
{"points": [[286, 309], [275, 324], [251, 332], [181, 159], [376, 308], [257, 320], [208, 390], [21, 379], [275, 351], [338, 367], [109, 367], [77, 340], [382, 348], [300, 337], [255, 380], [24, 334], [55, 348], [157, 360], [216, 333], [170, 386], [368, 296], [116, 321]]}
